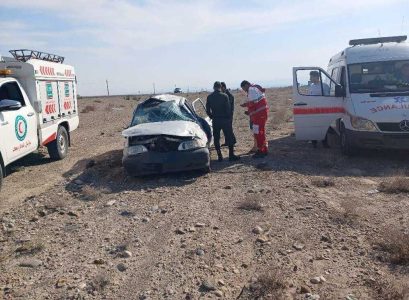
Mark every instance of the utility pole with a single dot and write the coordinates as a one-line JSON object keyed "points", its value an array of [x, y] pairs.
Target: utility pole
{"points": [[107, 86], [154, 89]]}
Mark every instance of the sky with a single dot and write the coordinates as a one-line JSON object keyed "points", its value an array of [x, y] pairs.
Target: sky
{"points": [[139, 44]]}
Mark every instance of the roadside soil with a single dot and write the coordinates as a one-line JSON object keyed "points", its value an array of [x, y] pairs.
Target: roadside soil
{"points": [[303, 223]]}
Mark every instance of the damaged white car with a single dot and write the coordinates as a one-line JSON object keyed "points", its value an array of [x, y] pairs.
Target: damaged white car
{"points": [[167, 135]]}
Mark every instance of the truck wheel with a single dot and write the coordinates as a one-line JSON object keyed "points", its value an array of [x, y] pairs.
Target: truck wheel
{"points": [[58, 149], [346, 147]]}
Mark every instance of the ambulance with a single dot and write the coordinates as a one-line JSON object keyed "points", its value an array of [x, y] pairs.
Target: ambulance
{"points": [[38, 105], [363, 96]]}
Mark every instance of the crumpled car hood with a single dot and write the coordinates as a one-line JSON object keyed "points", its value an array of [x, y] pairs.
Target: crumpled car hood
{"points": [[175, 128]]}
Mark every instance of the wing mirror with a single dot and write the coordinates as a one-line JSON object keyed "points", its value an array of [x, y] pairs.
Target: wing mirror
{"points": [[7, 104], [340, 91]]}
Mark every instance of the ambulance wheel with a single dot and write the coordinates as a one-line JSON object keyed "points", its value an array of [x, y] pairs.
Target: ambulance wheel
{"points": [[58, 149], [346, 147], [1, 176]]}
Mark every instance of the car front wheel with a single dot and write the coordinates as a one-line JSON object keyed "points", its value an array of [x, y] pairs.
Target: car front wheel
{"points": [[346, 146]]}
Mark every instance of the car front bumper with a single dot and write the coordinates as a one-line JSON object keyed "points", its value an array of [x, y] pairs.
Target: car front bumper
{"points": [[158, 163], [378, 140]]}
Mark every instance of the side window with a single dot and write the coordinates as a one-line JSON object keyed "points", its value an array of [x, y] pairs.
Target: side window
{"points": [[66, 89], [11, 90], [343, 78], [49, 88], [199, 108], [335, 77], [313, 82]]}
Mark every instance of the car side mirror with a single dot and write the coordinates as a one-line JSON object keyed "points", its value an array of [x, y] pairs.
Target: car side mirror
{"points": [[339, 91], [7, 104]]}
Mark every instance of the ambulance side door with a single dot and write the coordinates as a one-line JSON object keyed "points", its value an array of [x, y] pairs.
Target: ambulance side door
{"points": [[18, 127], [316, 105]]}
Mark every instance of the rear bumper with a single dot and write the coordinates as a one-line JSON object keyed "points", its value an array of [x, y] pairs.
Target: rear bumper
{"points": [[378, 140], [158, 163]]}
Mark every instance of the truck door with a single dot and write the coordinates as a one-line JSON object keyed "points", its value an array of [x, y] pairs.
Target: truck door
{"points": [[18, 127], [318, 102], [66, 97]]}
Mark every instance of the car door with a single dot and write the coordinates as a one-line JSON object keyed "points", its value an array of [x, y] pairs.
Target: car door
{"points": [[317, 103], [200, 111], [19, 127]]}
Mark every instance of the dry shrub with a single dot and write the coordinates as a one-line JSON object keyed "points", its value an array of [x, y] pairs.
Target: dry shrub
{"points": [[396, 243], [109, 107], [269, 285], [100, 282], [390, 290], [56, 204], [280, 116], [350, 207], [323, 182], [98, 101], [251, 204], [30, 248], [88, 109], [348, 214], [89, 193], [395, 185]]}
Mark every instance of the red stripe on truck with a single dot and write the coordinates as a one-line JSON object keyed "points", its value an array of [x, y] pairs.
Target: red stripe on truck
{"points": [[318, 110], [50, 139]]}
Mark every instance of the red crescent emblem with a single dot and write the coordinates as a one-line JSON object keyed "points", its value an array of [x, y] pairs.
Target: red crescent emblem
{"points": [[20, 129]]}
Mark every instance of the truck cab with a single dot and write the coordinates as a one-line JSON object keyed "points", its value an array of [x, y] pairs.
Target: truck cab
{"points": [[363, 96], [38, 105]]}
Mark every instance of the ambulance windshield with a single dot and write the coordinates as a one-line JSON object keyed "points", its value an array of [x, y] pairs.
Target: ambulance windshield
{"points": [[379, 77], [159, 111]]}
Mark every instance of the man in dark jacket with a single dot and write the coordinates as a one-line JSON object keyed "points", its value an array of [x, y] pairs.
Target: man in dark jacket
{"points": [[219, 110], [231, 100]]}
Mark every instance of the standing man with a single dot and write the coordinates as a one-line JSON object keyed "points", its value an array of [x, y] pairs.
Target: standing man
{"points": [[231, 100], [318, 88], [257, 109], [219, 110]]}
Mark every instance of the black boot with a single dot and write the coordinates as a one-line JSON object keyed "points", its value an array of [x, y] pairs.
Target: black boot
{"points": [[232, 156], [219, 155]]}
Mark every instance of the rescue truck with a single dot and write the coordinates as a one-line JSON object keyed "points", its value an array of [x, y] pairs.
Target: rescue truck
{"points": [[38, 105], [363, 96]]}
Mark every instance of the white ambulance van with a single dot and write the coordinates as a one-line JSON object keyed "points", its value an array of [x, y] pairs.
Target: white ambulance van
{"points": [[363, 96], [38, 105]]}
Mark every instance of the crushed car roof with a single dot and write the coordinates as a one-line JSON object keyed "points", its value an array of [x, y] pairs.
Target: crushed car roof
{"points": [[167, 97]]}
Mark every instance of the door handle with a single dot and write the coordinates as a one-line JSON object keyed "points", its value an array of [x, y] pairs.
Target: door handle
{"points": [[30, 114], [300, 104], [4, 123]]}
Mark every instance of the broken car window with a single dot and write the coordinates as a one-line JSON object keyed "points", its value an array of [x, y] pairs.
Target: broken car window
{"points": [[161, 112]]}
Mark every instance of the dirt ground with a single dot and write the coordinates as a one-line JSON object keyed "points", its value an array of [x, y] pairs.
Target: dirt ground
{"points": [[302, 223]]}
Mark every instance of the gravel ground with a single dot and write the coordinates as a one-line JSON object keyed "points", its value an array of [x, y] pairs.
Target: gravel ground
{"points": [[302, 223]]}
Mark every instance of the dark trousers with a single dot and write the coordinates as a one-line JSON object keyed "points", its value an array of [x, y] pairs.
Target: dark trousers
{"points": [[234, 136], [226, 126]]}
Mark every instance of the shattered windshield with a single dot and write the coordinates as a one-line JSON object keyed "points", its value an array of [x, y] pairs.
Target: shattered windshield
{"points": [[159, 112], [379, 77]]}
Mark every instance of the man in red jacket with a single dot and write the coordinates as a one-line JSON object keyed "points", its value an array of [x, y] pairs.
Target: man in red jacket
{"points": [[257, 109]]}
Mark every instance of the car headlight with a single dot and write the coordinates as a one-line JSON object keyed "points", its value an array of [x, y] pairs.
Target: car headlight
{"points": [[363, 124], [192, 144], [136, 149]]}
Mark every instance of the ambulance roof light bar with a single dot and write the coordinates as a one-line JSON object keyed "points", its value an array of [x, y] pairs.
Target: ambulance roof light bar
{"points": [[378, 40], [25, 54]]}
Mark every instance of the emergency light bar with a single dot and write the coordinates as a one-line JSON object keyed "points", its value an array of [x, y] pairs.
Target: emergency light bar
{"points": [[372, 41], [5, 72], [25, 55]]}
